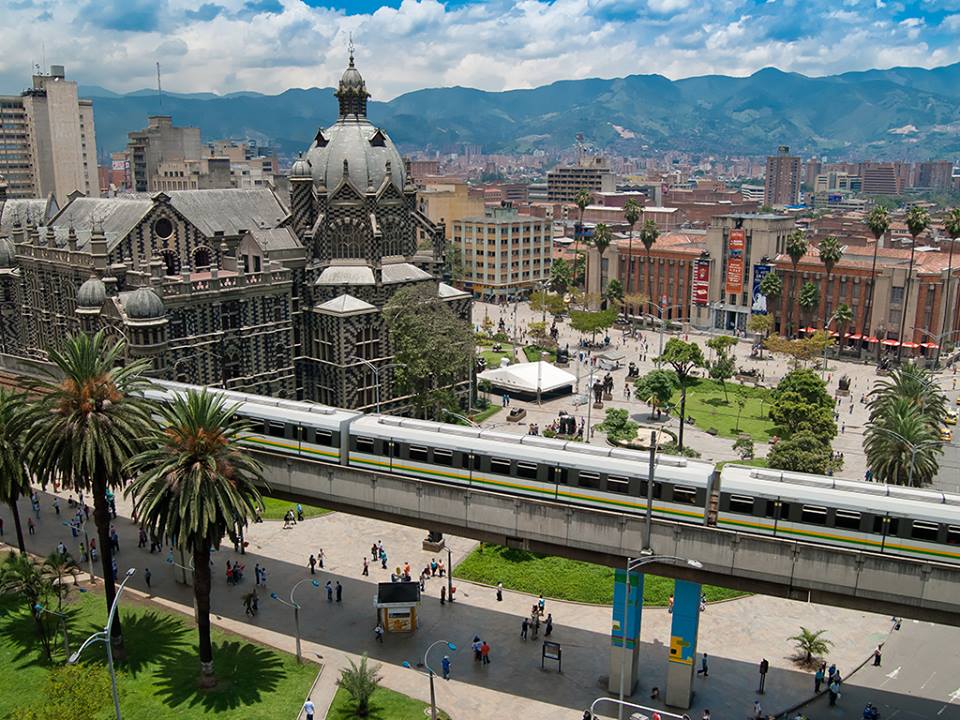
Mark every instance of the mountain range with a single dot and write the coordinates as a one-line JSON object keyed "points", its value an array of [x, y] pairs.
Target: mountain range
{"points": [[900, 113]]}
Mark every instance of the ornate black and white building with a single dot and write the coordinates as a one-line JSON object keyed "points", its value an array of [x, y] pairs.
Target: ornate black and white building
{"points": [[233, 288]]}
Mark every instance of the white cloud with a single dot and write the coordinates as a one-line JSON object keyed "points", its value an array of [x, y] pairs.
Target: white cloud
{"points": [[223, 46]]}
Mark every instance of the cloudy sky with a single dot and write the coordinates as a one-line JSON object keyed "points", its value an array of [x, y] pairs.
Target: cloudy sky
{"points": [[271, 45]]}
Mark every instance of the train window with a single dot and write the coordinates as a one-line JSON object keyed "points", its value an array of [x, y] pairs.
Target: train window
{"points": [[324, 437], [588, 479], [417, 452], [953, 534], [560, 475], [365, 444], [618, 484], [741, 504], [814, 514], [500, 466], [848, 519], [684, 495], [527, 470], [275, 429], [925, 531], [442, 456]]}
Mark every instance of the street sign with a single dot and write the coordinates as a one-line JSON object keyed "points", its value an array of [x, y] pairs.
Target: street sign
{"points": [[551, 651]]}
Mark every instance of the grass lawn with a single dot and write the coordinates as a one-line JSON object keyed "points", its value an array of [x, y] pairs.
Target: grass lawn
{"points": [[276, 508], [561, 578], [480, 416], [533, 353], [158, 680], [384, 705], [493, 358], [755, 462], [706, 404]]}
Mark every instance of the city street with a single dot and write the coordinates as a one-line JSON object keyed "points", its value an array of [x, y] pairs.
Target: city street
{"points": [[736, 634]]}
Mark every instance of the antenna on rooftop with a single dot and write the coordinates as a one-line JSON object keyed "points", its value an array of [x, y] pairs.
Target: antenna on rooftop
{"points": [[159, 90]]}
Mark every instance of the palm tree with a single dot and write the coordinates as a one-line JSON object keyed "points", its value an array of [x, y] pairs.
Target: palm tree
{"points": [[632, 212], [360, 682], [85, 428], [878, 221], [195, 483], [901, 445], [913, 383], [601, 241], [582, 199], [811, 643], [613, 293], [772, 288], [14, 480], [843, 317], [951, 223], [830, 252], [918, 220], [22, 577], [808, 301], [649, 233], [796, 249]]}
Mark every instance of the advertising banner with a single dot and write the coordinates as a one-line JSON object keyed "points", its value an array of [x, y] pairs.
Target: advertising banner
{"points": [[759, 303], [701, 282], [736, 243]]}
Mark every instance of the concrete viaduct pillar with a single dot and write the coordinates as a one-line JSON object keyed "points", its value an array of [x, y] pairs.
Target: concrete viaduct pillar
{"points": [[683, 643], [625, 632]]}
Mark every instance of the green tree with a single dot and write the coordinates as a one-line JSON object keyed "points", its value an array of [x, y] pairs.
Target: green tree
{"points": [[361, 681], [433, 346], [721, 370], [808, 301], [761, 325], [89, 421], [545, 302], [804, 451], [684, 358], [582, 199], [918, 220], [538, 331], [656, 388], [23, 578], [772, 288], [811, 644], [632, 212], [195, 483], [57, 568], [830, 252], [602, 239], [801, 402], [951, 224], [618, 426], [878, 222], [561, 276], [14, 480], [649, 232], [901, 445], [796, 249], [721, 344], [744, 447], [453, 261], [843, 317], [914, 384], [585, 321], [614, 292]]}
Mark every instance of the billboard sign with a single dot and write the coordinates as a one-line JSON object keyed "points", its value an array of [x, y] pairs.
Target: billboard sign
{"points": [[736, 243], [759, 303], [701, 282]]}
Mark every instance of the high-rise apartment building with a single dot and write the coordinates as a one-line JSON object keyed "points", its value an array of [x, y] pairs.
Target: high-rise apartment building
{"points": [[936, 175], [885, 178], [591, 174], [159, 142], [782, 184], [47, 140]]}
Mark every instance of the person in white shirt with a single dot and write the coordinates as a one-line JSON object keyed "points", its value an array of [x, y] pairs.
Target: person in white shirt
{"points": [[308, 709]]}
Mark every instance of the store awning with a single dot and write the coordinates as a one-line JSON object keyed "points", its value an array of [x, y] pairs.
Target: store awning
{"points": [[910, 345], [891, 343], [929, 346], [855, 336], [809, 330], [871, 339]]}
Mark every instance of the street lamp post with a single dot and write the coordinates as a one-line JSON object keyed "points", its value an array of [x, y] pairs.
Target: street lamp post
{"points": [[633, 564], [296, 609], [540, 361], [661, 309], [104, 637], [430, 673], [376, 376]]}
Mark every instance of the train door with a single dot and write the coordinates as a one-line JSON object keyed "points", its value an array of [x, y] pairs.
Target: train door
{"points": [[559, 478]]}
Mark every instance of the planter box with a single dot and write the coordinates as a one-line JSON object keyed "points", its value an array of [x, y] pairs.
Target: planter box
{"points": [[516, 415]]}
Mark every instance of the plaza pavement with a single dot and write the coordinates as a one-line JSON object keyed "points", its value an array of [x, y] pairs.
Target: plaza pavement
{"points": [[853, 413], [736, 634]]}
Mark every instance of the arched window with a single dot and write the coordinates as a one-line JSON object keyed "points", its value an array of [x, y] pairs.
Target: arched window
{"points": [[201, 257], [171, 262], [231, 365]]}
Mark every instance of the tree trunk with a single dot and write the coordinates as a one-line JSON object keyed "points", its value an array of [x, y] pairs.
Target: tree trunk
{"points": [[16, 523], [793, 293], [683, 411], [101, 517], [867, 330], [906, 296], [201, 591], [826, 287], [946, 307], [629, 265]]}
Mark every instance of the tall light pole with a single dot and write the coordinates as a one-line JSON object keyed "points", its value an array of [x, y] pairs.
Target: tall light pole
{"points": [[633, 564], [660, 310], [430, 673], [296, 610], [914, 447], [104, 637], [540, 361], [376, 376]]}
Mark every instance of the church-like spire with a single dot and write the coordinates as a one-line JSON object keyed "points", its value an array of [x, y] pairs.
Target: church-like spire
{"points": [[352, 92]]}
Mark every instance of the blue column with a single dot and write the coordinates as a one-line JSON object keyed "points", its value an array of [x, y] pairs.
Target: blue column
{"points": [[625, 631], [683, 643]]}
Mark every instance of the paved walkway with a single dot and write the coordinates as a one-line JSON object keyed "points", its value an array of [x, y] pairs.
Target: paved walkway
{"points": [[735, 634]]}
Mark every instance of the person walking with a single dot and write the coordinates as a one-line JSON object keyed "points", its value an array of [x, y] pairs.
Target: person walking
{"points": [[1, 527], [818, 678], [476, 645], [339, 591], [499, 586], [549, 626], [374, 552], [445, 665], [877, 655], [141, 538], [56, 506], [312, 562], [31, 528], [540, 604], [61, 549], [834, 690], [378, 633], [320, 558], [146, 576], [366, 568], [757, 710], [329, 587], [308, 709], [524, 627], [703, 666], [485, 652], [443, 594]]}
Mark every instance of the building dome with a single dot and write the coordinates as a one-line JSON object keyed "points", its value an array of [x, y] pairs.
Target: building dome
{"points": [[92, 293], [144, 304], [300, 168], [8, 255]]}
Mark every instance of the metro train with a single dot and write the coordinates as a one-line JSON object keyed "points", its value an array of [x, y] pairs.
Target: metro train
{"points": [[867, 516]]}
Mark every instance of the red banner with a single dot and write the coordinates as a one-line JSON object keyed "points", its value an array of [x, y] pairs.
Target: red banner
{"points": [[736, 243], [701, 282]]}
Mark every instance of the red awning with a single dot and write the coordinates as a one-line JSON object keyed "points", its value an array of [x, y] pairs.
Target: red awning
{"points": [[910, 345], [891, 343], [871, 339], [834, 334], [855, 336], [810, 330], [929, 345]]}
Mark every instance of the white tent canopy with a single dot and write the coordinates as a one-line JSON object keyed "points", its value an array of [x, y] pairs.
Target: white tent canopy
{"points": [[525, 377]]}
